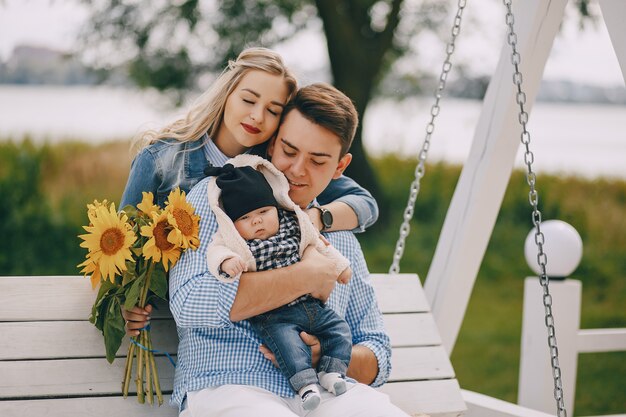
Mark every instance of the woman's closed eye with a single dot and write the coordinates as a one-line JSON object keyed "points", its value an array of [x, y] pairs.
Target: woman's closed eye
{"points": [[271, 111]]}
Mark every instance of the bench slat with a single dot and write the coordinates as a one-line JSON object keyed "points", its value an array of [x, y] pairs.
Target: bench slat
{"points": [[412, 329], [432, 397], [418, 363], [71, 297], [23, 379], [86, 407], [400, 293], [51, 298], [80, 339], [72, 339], [436, 398], [94, 376]]}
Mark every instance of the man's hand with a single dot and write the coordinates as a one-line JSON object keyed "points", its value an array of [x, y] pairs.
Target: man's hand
{"points": [[312, 341], [136, 318], [321, 274], [324, 240], [316, 348], [233, 266], [345, 276]]}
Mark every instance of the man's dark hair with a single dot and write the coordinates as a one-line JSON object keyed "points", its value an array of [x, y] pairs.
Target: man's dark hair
{"points": [[328, 107]]}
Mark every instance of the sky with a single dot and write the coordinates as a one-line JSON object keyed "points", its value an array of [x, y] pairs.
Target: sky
{"points": [[585, 57]]}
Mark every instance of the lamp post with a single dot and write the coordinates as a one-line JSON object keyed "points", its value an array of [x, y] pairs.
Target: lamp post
{"points": [[563, 249], [563, 246]]}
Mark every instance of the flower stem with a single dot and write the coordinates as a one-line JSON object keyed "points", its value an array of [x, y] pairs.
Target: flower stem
{"points": [[146, 286], [144, 355], [146, 343], [128, 369], [157, 384], [139, 379]]}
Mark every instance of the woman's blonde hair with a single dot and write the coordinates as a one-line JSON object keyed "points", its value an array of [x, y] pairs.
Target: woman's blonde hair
{"points": [[207, 112]]}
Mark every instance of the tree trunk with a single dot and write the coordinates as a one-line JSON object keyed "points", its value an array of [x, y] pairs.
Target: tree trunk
{"points": [[356, 54], [360, 168]]}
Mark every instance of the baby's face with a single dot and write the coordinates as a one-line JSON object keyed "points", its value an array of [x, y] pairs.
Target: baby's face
{"points": [[261, 223]]}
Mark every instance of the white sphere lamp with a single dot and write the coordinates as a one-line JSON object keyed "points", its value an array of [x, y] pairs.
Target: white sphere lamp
{"points": [[563, 247]]}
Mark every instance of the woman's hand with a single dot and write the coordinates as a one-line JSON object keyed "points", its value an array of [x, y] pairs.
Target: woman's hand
{"points": [[137, 318], [312, 341]]}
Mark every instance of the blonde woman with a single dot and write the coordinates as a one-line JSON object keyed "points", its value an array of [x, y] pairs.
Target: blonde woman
{"points": [[238, 114]]}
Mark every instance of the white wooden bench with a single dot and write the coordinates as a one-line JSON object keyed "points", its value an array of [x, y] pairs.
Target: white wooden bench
{"points": [[52, 359]]}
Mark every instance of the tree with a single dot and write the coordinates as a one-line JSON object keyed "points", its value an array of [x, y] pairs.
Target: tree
{"points": [[170, 44], [160, 45]]}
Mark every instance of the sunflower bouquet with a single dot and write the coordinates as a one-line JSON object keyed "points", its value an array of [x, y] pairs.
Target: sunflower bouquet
{"points": [[129, 254]]}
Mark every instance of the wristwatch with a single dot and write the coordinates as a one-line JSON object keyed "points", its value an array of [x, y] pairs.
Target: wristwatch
{"points": [[326, 216]]}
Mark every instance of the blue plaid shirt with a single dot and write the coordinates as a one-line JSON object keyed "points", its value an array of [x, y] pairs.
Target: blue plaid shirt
{"points": [[215, 351]]}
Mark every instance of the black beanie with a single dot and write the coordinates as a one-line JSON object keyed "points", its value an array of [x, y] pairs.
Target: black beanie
{"points": [[244, 189]]}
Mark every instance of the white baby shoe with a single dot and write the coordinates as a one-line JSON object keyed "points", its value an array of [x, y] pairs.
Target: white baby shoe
{"points": [[310, 396], [333, 382]]}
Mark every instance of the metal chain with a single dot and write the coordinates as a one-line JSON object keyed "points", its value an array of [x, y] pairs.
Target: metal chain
{"points": [[533, 198], [405, 228]]}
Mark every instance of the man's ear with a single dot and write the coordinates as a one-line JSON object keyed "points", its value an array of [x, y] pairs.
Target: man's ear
{"points": [[342, 165]]}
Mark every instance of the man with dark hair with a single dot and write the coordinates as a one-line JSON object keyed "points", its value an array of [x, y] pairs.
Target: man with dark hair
{"points": [[220, 370]]}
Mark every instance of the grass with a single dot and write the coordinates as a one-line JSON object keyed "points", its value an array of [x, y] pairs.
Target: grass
{"points": [[45, 188], [486, 354]]}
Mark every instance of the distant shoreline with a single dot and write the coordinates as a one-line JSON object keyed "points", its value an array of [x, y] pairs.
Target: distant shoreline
{"points": [[587, 140]]}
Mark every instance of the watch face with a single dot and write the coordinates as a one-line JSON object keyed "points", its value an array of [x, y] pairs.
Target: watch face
{"points": [[327, 219]]}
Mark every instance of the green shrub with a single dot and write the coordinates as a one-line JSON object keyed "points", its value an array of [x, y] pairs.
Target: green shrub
{"points": [[37, 240]]}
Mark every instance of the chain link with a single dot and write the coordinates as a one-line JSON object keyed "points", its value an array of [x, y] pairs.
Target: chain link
{"points": [[533, 198], [420, 170]]}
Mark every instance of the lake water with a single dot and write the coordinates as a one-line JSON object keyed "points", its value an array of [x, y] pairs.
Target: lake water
{"points": [[582, 139]]}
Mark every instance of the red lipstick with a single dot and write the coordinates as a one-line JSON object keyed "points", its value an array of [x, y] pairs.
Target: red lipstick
{"points": [[250, 129]]}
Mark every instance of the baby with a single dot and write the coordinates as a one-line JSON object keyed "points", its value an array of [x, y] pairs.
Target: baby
{"points": [[260, 228]]}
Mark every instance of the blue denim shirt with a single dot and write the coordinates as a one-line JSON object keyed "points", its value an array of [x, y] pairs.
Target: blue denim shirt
{"points": [[168, 164]]}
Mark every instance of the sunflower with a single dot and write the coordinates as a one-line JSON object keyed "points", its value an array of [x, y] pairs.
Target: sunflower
{"points": [[89, 267], [186, 223], [158, 247], [91, 208], [108, 241], [147, 204]]}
